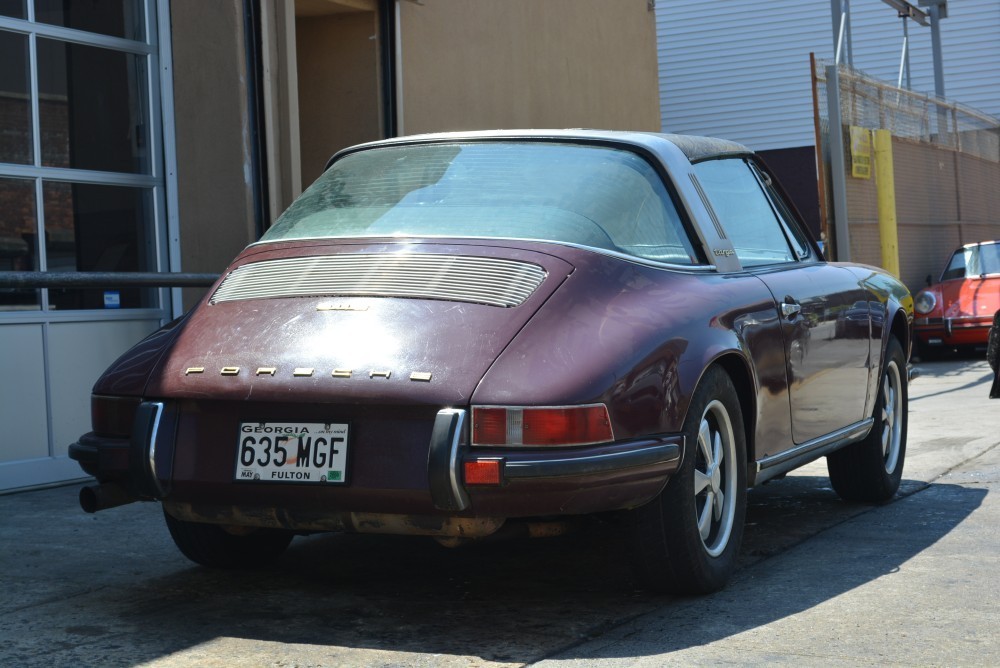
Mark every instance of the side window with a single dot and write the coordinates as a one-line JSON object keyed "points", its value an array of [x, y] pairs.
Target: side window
{"points": [[956, 267], [788, 223], [747, 212]]}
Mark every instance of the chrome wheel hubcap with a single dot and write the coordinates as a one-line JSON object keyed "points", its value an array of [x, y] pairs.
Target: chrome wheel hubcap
{"points": [[892, 417], [715, 478]]}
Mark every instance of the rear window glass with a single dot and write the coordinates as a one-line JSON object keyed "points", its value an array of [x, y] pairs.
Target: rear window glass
{"points": [[598, 197]]}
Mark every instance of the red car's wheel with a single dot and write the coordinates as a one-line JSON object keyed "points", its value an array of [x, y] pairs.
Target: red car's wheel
{"points": [[688, 538]]}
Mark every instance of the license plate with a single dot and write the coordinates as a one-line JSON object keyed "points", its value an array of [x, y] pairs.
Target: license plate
{"points": [[301, 452]]}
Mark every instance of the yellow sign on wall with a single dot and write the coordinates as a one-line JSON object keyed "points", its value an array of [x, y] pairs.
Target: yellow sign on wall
{"points": [[861, 153]]}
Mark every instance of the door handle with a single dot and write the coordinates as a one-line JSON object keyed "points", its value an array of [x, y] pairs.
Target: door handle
{"points": [[790, 309]]}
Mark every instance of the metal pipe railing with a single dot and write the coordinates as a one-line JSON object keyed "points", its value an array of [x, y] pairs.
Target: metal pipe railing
{"points": [[104, 279]]}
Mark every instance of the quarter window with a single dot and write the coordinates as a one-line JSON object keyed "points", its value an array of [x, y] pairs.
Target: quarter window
{"points": [[750, 213]]}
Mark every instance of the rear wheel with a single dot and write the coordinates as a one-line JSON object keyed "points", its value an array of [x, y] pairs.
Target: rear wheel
{"points": [[870, 470], [687, 540], [214, 546]]}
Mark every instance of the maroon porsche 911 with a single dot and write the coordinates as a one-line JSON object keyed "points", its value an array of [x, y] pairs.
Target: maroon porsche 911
{"points": [[455, 334]]}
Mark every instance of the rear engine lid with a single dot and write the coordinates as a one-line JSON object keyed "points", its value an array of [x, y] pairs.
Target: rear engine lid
{"points": [[335, 322]]}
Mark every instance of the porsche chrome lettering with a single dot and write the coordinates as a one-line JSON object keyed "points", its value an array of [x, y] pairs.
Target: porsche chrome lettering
{"points": [[308, 372], [341, 307]]}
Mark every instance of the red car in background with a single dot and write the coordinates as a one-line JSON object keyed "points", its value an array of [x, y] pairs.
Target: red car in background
{"points": [[957, 311]]}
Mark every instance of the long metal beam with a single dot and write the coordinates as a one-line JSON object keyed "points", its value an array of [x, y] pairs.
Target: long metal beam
{"points": [[906, 10], [103, 279]]}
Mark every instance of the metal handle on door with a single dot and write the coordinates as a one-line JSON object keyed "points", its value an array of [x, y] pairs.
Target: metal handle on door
{"points": [[790, 310]]}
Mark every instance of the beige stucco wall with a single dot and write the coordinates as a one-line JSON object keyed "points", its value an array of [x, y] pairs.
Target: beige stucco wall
{"points": [[462, 65], [215, 201], [526, 63], [339, 90]]}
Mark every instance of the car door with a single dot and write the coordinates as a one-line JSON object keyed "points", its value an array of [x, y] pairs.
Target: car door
{"points": [[827, 366]]}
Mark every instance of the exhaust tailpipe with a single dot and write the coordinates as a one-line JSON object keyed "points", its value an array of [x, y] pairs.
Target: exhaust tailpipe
{"points": [[104, 496]]}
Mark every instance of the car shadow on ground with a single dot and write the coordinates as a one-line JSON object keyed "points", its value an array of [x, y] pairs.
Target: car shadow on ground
{"points": [[959, 365], [515, 601]]}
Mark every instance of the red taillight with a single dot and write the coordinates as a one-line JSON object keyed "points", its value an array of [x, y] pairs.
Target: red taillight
{"points": [[483, 472], [542, 425], [489, 426], [113, 416]]}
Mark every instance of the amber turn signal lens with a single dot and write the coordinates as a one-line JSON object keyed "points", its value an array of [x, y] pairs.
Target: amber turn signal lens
{"points": [[483, 472]]}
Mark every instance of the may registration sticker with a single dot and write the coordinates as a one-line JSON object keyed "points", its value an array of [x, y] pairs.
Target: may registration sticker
{"points": [[292, 452]]}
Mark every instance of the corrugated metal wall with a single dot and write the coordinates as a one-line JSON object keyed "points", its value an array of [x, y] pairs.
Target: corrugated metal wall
{"points": [[740, 70]]}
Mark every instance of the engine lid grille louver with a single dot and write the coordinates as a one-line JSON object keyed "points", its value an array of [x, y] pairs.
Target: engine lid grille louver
{"points": [[478, 280]]}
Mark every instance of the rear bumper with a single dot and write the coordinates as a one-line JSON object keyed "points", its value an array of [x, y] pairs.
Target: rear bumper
{"points": [[103, 457], [533, 483]]}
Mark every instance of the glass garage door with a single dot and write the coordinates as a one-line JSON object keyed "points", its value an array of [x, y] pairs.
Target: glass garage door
{"points": [[81, 190]]}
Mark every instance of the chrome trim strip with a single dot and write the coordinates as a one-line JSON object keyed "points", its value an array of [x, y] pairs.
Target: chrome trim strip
{"points": [[453, 458], [708, 205], [157, 407], [775, 465], [662, 453]]}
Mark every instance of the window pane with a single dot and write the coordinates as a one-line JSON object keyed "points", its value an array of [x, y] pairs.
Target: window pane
{"points": [[118, 18], [15, 99], [18, 239], [99, 228], [14, 8], [93, 108], [598, 197], [744, 211], [793, 231]]}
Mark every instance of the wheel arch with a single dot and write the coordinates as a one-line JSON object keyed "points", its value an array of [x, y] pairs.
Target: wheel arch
{"points": [[739, 373], [900, 329]]}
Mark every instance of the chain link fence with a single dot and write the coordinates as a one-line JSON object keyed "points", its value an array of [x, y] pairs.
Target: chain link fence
{"points": [[946, 160]]}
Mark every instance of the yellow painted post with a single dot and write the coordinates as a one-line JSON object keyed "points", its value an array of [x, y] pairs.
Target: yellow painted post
{"points": [[885, 185]]}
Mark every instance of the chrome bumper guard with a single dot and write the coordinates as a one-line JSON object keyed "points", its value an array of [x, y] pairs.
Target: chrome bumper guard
{"points": [[144, 476]]}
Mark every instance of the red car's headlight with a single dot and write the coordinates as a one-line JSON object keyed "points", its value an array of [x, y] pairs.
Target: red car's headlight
{"points": [[541, 425], [113, 416], [924, 302]]}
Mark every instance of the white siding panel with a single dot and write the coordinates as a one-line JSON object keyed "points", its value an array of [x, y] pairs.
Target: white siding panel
{"points": [[79, 352], [22, 394], [740, 70]]}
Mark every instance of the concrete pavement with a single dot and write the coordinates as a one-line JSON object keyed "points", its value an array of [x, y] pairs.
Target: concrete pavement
{"points": [[914, 582]]}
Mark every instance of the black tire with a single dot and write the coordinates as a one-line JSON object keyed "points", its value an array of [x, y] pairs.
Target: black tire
{"points": [[869, 471], [687, 539], [213, 546], [993, 343], [929, 353]]}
